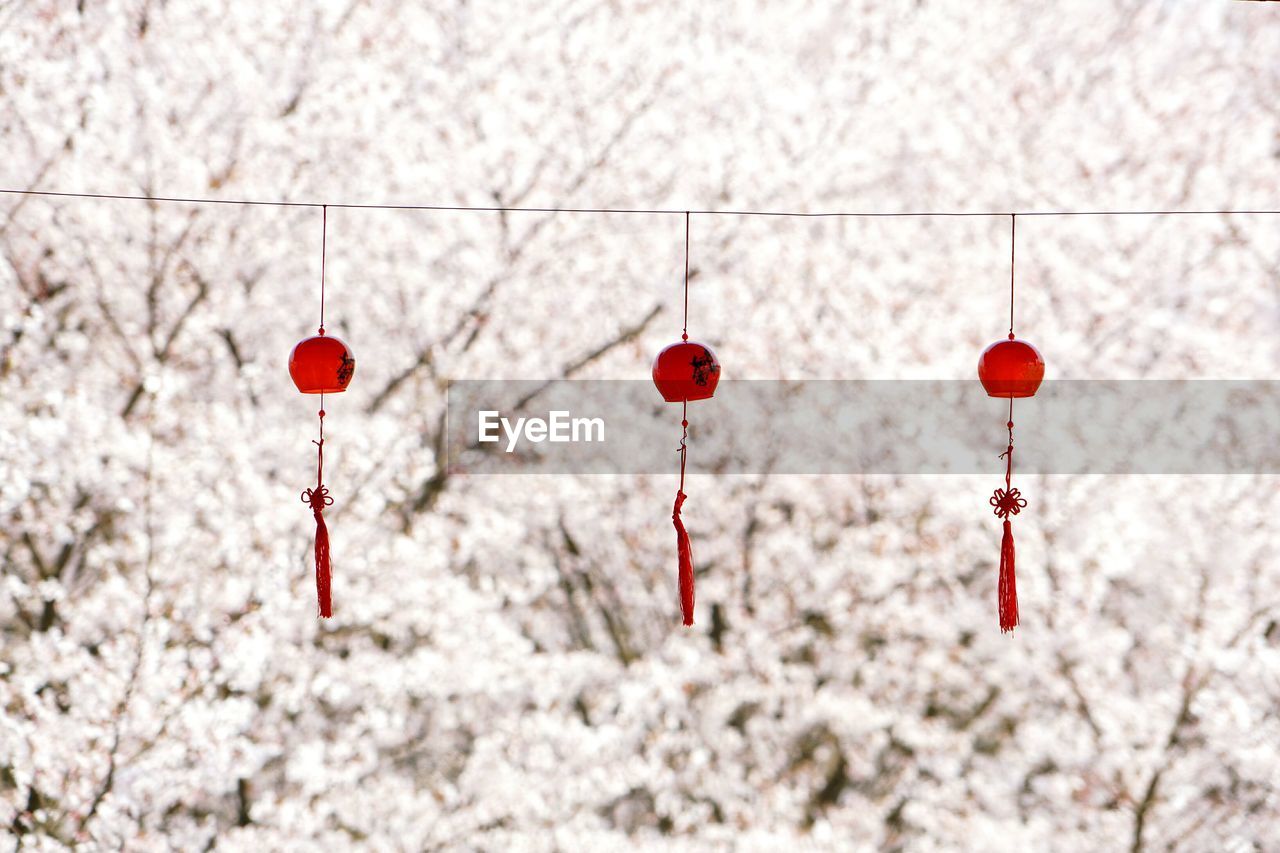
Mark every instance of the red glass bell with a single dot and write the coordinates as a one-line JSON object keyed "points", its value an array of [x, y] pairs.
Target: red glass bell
{"points": [[686, 371], [321, 365], [1011, 368]]}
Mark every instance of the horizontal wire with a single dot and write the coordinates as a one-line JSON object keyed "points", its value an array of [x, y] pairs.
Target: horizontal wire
{"points": [[630, 210]]}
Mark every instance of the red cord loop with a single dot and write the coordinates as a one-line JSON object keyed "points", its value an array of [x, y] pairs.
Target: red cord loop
{"points": [[318, 498], [1007, 503]]}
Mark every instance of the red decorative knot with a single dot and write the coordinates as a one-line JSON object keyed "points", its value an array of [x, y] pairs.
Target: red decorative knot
{"points": [[1008, 503], [318, 498]]}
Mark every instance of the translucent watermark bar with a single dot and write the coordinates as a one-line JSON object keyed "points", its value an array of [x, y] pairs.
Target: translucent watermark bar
{"points": [[866, 427]]}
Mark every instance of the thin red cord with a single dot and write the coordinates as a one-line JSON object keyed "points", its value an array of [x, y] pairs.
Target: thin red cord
{"points": [[684, 427], [1008, 501], [320, 445], [319, 496], [685, 335], [324, 245], [1008, 468], [1013, 246]]}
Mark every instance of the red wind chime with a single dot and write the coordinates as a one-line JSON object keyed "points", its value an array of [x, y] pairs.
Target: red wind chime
{"points": [[683, 372], [321, 365], [1008, 369]]}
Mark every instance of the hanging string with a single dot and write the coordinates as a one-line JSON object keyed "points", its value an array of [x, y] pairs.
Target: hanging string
{"points": [[324, 246], [684, 434], [685, 335], [1009, 501], [1013, 247], [320, 445], [636, 210]]}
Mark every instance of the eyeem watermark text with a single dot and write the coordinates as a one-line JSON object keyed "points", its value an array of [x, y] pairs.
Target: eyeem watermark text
{"points": [[557, 427]]}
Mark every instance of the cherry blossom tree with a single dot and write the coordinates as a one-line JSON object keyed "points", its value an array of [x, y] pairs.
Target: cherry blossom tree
{"points": [[505, 668]]}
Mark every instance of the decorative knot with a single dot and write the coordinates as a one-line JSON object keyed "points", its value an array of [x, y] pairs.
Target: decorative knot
{"points": [[318, 498], [1008, 503]]}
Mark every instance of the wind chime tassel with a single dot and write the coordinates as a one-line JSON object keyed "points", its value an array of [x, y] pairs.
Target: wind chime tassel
{"points": [[1008, 589], [683, 548], [685, 551], [1007, 502], [319, 498], [322, 566]]}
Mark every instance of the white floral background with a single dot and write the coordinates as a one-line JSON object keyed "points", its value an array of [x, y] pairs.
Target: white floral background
{"points": [[505, 669]]}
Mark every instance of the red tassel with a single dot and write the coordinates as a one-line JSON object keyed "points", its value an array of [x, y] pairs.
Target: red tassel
{"points": [[685, 551], [322, 566], [1008, 588], [318, 498]]}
